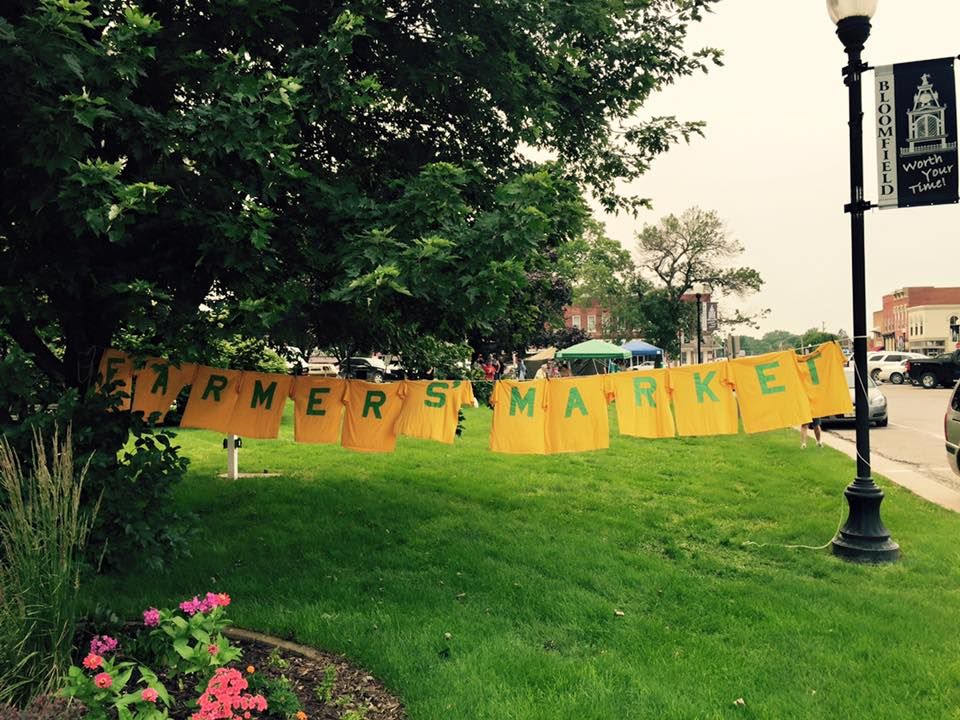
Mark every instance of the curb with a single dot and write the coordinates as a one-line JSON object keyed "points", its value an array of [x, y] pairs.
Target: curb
{"points": [[902, 474]]}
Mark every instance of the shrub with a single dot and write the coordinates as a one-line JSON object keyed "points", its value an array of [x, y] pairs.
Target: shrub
{"points": [[132, 466], [43, 531]]}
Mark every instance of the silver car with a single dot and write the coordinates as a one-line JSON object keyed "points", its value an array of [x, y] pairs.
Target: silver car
{"points": [[951, 428], [878, 401]]}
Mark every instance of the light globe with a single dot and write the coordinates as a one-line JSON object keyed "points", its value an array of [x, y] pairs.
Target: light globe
{"points": [[842, 9]]}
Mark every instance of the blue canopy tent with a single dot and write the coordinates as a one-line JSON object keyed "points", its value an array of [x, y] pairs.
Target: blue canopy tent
{"points": [[641, 349]]}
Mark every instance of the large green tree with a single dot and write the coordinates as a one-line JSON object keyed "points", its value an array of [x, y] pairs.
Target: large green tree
{"points": [[681, 254], [291, 170]]}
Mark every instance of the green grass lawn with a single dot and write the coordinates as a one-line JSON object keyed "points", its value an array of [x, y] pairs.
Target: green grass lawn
{"points": [[524, 561]]}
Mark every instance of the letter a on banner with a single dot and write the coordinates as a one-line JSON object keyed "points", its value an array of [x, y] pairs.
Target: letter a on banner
{"points": [[916, 133]]}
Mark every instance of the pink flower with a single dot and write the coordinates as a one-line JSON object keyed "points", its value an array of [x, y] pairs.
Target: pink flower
{"points": [[102, 644], [213, 649], [151, 617], [149, 694], [191, 607], [92, 661], [103, 681], [223, 599]]}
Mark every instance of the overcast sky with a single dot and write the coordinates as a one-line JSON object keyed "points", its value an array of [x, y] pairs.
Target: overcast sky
{"points": [[774, 162]]}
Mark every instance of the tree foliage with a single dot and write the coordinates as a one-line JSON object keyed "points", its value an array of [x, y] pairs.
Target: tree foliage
{"points": [[686, 252], [178, 174]]}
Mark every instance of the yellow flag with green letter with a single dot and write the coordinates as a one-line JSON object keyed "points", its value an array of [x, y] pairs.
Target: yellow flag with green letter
{"points": [[213, 396], [318, 408], [825, 381], [577, 414], [259, 408], [158, 384], [770, 391], [703, 400], [643, 403], [372, 409], [519, 417]]}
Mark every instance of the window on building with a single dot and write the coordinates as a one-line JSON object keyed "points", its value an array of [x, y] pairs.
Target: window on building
{"points": [[575, 321], [954, 329], [591, 323]]}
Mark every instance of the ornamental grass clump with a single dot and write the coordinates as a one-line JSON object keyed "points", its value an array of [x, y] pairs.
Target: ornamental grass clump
{"points": [[43, 532]]}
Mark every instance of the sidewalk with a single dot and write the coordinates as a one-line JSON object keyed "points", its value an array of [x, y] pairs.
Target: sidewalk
{"points": [[902, 474]]}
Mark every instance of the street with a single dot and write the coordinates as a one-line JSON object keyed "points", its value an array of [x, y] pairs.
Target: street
{"points": [[915, 433]]}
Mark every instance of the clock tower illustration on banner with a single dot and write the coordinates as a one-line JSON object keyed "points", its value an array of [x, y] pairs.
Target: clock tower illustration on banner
{"points": [[927, 124]]}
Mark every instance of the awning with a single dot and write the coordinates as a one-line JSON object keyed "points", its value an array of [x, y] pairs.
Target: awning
{"points": [[593, 349]]}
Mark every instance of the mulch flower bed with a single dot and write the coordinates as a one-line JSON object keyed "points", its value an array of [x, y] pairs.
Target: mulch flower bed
{"points": [[352, 689]]}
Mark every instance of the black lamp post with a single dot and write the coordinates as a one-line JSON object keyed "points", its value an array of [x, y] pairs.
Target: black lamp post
{"points": [[863, 537]]}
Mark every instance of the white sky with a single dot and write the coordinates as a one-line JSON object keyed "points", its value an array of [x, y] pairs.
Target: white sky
{"points": [[774, 162]]}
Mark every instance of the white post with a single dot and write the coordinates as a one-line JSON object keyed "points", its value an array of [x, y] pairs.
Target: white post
{"points": [[232, 464]]}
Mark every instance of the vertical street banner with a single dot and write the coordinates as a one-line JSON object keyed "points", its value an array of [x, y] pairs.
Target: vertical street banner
{"points": [[916, 133]]}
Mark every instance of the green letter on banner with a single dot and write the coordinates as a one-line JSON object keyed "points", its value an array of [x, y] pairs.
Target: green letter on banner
{"points": [[314, 400], [765, 379], [526, 402], [111, 370], [639, 391], [703, 386], [163, 377], [575, 401], [262, 396], [438, 399], [812, 367], [374, 401], [216, 384]]}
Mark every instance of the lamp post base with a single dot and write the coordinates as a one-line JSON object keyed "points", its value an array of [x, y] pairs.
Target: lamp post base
{"points": [[864, 538]]}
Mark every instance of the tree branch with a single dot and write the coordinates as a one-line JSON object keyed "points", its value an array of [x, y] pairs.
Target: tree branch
{"points": [[28, 340]]}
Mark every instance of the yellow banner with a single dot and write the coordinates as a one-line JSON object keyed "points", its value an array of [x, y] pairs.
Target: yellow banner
{"points": [[545, 416]]}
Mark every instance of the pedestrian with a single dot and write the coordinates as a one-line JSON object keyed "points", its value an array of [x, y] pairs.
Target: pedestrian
{"points": [[815, 424], [497, 367], [521, 367], [541, 373], [489, 371]]}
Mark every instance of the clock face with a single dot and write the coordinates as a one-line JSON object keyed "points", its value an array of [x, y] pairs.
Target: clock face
{"points": [[926, 98]]}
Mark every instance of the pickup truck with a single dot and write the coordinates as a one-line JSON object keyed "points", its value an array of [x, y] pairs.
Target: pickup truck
{"points": [[941, 370]]}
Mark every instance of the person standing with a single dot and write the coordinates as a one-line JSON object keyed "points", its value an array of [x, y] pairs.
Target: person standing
{"points": [[521, 366], [815, 424]]}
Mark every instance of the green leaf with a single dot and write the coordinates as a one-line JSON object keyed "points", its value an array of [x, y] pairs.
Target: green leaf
{"points": [[182, 646]]}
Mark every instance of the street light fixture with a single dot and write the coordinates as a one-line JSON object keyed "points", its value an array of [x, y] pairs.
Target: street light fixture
{"points": [[863, 537]]}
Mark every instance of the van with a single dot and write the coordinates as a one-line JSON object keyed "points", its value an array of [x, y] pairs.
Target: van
{"points": [[951, 428]]}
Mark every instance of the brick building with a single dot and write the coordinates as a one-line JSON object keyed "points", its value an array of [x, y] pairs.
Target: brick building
{"points": [[591, 319], [918, 319]]}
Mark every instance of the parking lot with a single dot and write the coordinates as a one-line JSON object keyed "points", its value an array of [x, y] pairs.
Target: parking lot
{"points": [[915, 433]]}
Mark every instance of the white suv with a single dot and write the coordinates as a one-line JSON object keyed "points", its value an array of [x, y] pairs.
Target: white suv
{"points": [[889, 365], [951, 429]]}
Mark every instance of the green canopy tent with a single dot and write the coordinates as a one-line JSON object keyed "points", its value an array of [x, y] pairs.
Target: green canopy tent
{"points": [[591, 350]]}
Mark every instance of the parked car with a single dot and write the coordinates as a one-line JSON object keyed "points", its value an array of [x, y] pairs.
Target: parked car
{"points": [[371, 369], [324, 369], [895, 374], [951, 429], [929, 372], [880, 362], [878, 401]]}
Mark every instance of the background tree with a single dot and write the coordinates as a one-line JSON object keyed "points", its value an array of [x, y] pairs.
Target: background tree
{"points": [[679, 254], [177, 174]]}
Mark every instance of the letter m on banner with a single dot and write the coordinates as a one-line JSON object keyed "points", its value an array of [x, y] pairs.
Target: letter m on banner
{"points": [[916, 133]]}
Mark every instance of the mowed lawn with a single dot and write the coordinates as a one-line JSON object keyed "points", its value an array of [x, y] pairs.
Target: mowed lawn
{"points": [[525, 561]]}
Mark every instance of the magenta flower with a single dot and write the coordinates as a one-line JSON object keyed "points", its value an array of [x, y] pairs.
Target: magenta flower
{"points": [[191, 607], [151, 617], [102, 644]]}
